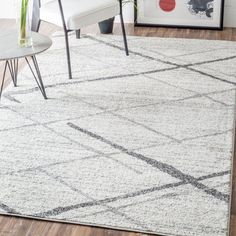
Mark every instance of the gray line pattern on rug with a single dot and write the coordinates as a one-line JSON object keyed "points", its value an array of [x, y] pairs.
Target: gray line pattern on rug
{"points": [[171, 63], [159, 165], [112, 209], [8, 209], [85, 146], [60, 210]]}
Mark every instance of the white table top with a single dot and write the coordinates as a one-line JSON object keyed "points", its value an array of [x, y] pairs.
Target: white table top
{"points": [[9, 48]]}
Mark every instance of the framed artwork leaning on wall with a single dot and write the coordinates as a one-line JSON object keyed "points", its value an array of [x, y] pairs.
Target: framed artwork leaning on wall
{"points": [[206, 14]]}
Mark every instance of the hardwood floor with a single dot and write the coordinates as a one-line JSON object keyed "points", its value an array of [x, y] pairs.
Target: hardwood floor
{"points": [[14, 226]]}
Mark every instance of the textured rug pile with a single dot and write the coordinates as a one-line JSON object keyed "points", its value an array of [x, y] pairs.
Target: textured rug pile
{"points": [[139, 143]]}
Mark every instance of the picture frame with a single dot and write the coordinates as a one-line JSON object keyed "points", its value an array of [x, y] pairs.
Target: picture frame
{"points": [[193, 14]]}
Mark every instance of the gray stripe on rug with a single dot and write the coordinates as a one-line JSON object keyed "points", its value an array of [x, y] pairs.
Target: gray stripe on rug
{"points": [[59, 210], [166, 168]]}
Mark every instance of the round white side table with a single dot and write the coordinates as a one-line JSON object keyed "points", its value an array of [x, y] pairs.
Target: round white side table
{"points": [[11, 52]]}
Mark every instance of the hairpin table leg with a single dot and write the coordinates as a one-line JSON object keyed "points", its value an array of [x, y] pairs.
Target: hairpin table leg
{"points": [[3, 78], [37, 75], [13, 68]]}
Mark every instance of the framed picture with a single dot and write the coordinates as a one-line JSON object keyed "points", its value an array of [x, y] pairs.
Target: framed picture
{"points": [[206, 14]]}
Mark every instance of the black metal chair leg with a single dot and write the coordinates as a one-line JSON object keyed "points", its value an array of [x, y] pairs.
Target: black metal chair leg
{"points": [[66, 39], [35, 24], [77, 33], [68, 55], [123, 31], [3, 78], [38, 26]]}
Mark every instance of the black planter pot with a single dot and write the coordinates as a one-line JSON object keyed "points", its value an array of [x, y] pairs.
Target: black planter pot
{"points": [[106, 26]]}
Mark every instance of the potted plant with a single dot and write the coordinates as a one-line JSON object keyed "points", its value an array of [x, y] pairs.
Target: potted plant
{"points": [[106, 26]]}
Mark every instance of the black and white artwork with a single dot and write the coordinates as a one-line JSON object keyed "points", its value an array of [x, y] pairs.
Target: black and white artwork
{"points": [[183, 13], [201, 8]]}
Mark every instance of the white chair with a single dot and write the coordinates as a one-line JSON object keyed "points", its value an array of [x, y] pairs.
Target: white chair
{"points": [[73, 15]]}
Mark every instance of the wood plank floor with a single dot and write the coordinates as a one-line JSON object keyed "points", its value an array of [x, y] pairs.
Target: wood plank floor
{"points": [[14, 226]]}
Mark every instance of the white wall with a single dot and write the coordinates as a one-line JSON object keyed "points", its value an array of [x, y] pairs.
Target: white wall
{"points": [[7, 10], [230, 13]]}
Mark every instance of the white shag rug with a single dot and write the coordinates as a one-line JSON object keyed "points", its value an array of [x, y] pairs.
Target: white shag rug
{"points": [[139, 143]]}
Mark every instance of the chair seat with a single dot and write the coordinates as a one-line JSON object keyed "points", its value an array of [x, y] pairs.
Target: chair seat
{"points": [[79, 13]]}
